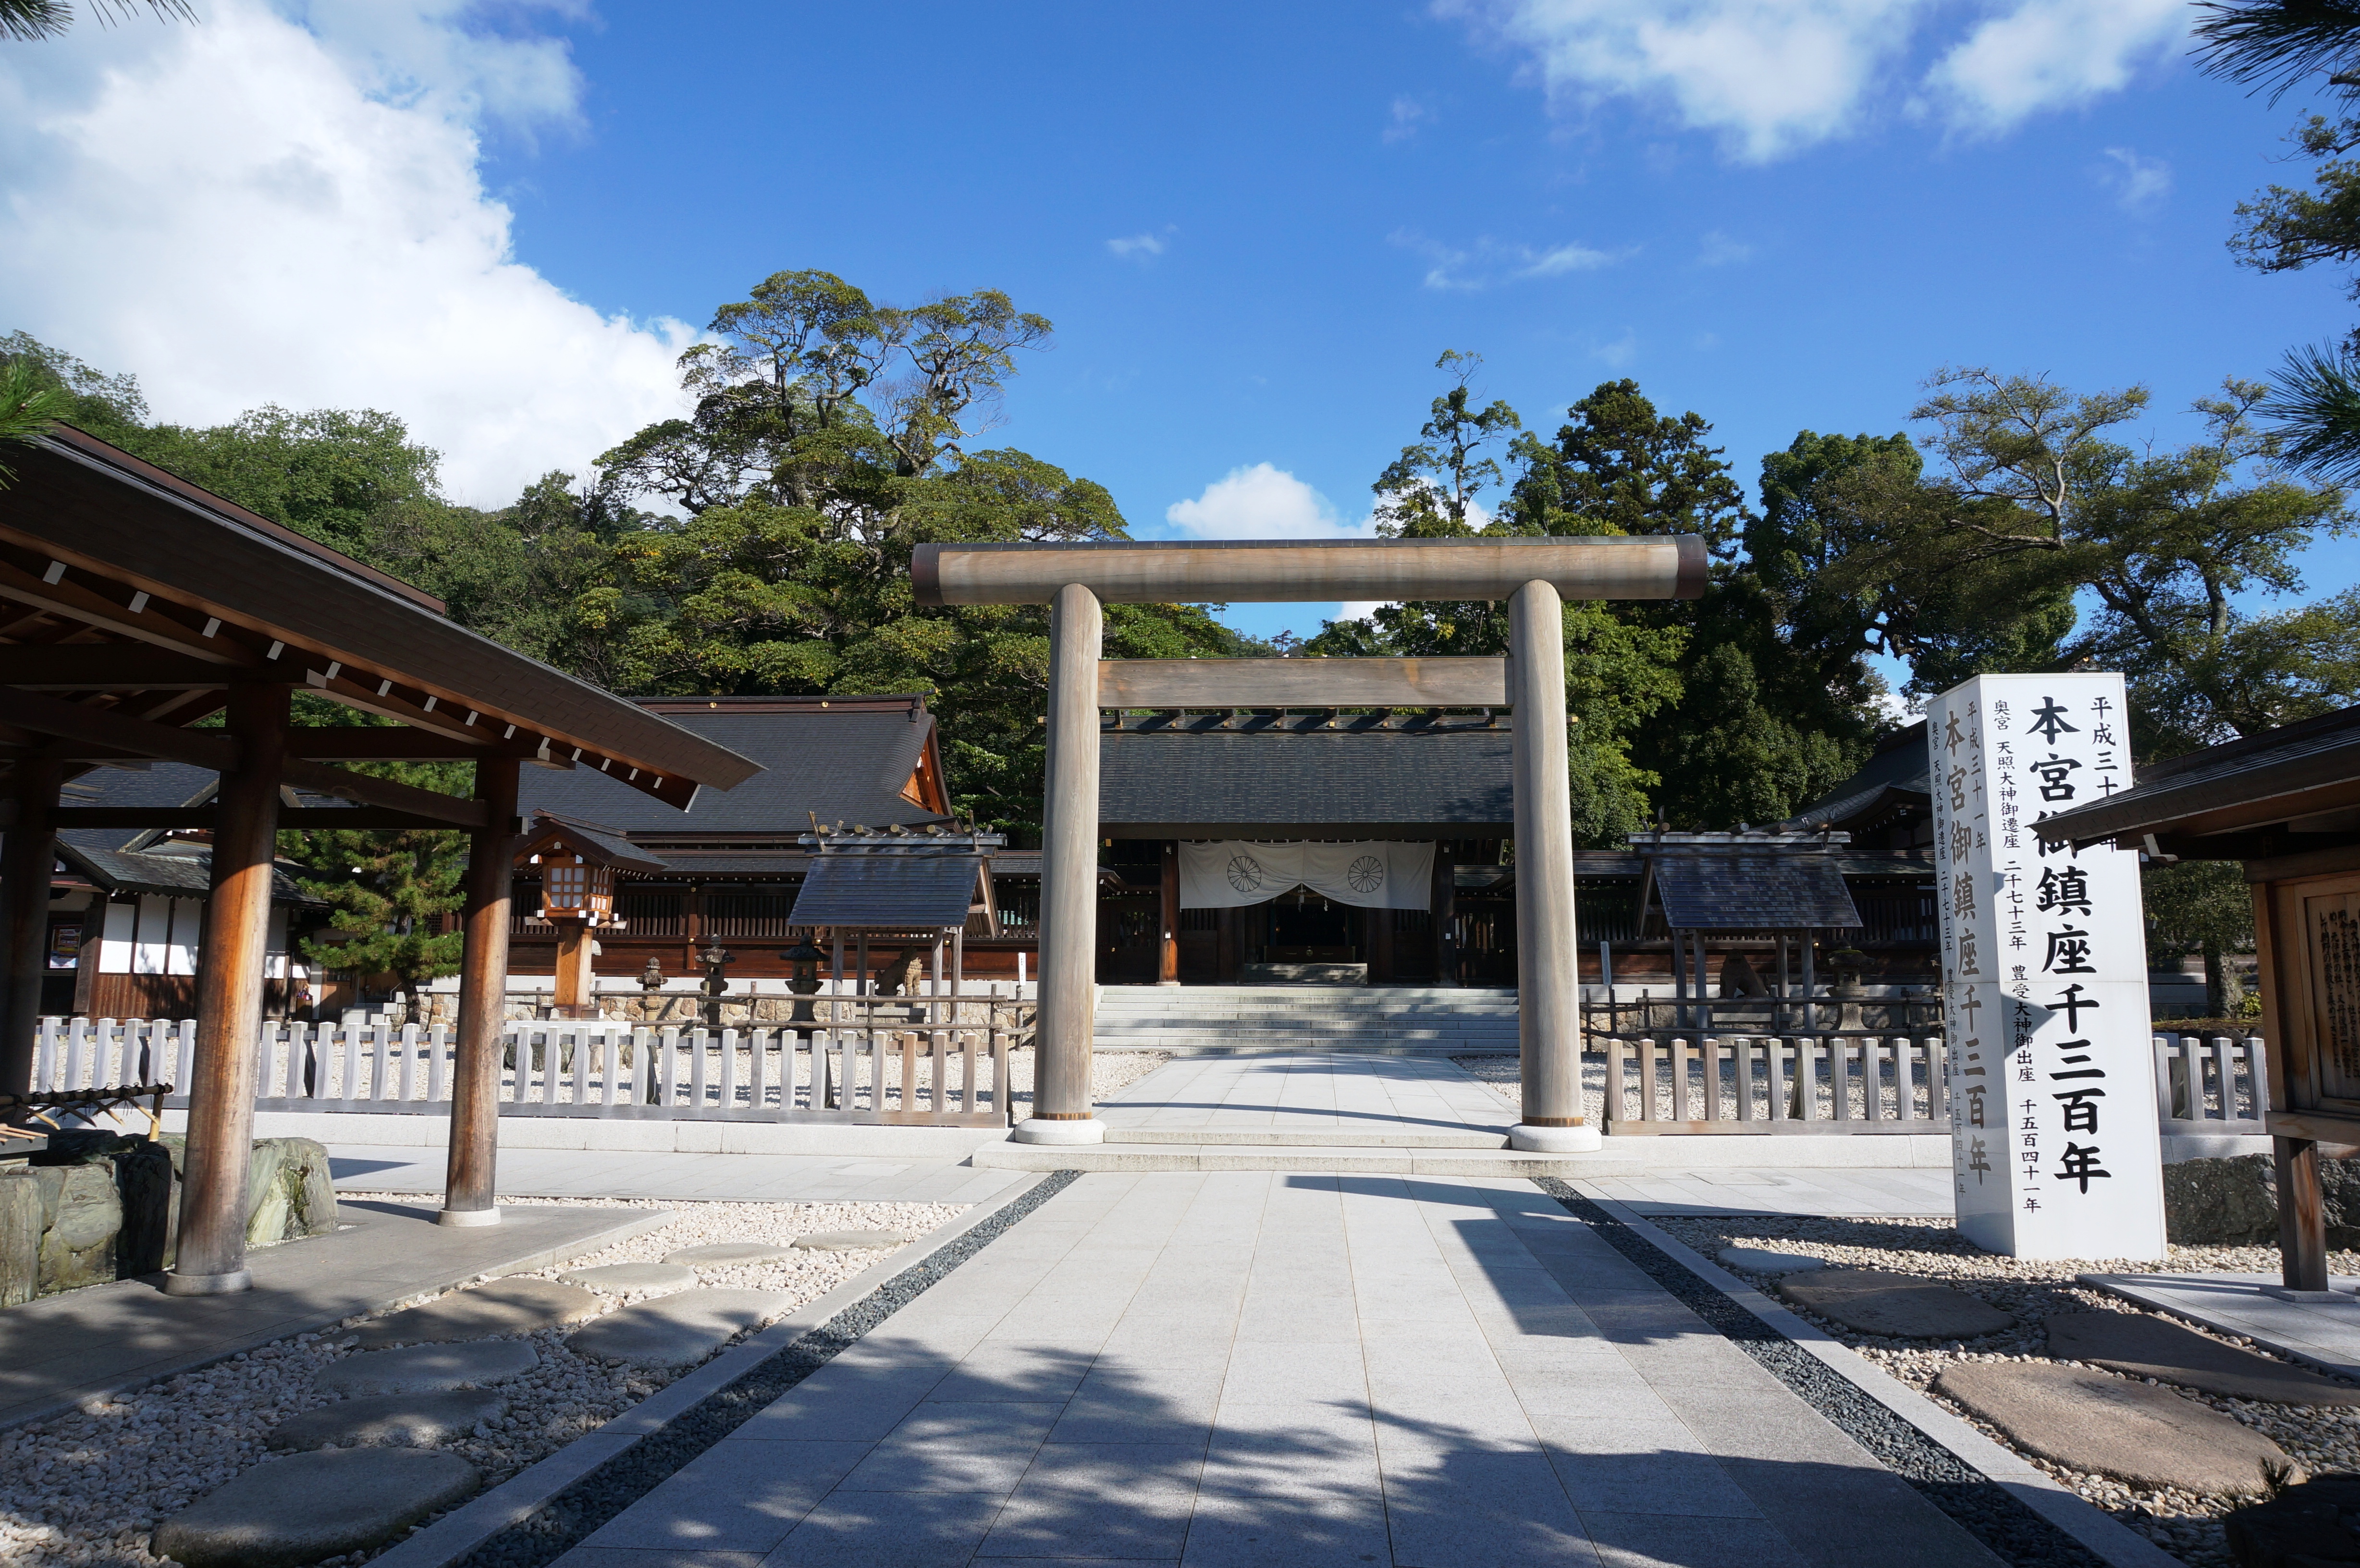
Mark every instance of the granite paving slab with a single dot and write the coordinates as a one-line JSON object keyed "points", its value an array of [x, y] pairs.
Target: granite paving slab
{"points": [[1876, 1300], [854, 1240], [427, 1369], [398, 1420], [2143, 1346], [2151, 1437], [503, 1306], [672, 1331], [621, 1277], [288, 1512]]}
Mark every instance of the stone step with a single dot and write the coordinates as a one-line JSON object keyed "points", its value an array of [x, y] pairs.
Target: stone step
{"points": [[1363, 1160], [1306, 1138]]}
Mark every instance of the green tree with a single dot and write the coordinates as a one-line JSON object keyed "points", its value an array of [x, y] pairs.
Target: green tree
{"points": [[27, 20], [2201, 906], [29, 405], [387, 888]]}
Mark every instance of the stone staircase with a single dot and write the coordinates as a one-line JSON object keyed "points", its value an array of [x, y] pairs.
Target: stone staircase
{"points": [[1393, 1020]]}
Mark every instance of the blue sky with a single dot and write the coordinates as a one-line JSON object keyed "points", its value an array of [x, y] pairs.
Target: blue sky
{"points": [[1255, 227]]}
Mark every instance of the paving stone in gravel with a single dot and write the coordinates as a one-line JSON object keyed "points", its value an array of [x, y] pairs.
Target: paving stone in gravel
{"points": [[427, 1369], [672, 1331], [2151, 1437], [309, 1505], [1875, 1302], [623, 1276], [854, 1240], [504, 1306], [718, 1254], [2143, 1346], [396, 1421], [1764, 1260]]}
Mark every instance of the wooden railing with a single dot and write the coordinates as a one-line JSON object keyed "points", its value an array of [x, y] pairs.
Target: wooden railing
{"points": [[873, 1064], [2214, 1087], [1768, 1084]]}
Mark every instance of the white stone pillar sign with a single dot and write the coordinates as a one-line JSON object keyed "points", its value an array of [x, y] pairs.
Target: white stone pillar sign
{"points": [[2054, 1143]]}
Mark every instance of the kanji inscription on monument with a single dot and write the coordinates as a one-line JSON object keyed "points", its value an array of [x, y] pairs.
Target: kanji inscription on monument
{"points": [[2054, 1142]]}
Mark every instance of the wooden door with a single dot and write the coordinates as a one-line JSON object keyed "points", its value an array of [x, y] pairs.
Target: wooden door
{"points": [[2310, 965]]}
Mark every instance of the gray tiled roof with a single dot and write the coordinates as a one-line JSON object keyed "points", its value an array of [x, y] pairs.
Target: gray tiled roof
{"points": [[836, 765], [888, 890], [1217, 780], [2241, 777], [1754, 892]]}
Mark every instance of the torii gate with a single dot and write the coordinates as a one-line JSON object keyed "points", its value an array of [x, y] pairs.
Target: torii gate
{"points": [[1534, 575]]}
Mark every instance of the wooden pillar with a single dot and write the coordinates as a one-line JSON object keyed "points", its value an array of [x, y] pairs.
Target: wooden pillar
{"points": [[26, 860], [1069, 879], [1548, 990], [210, 1257], [574, 965], [1167, 957], [2302, 1219], [467, 1184]]}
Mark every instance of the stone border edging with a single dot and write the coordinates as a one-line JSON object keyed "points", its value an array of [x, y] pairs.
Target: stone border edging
{"points": [[2120, 1287], [1987, 1466], [471, 1534]]}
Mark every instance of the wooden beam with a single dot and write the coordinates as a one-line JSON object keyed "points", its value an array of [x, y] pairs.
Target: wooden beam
{"points": [[380, 743], [103, 727], [152, 624], [108, 666], [1303, 682], [345, 785]]}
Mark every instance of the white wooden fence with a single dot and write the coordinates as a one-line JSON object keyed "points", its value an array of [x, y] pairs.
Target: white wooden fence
{"points": [[1773, 1084], [2216, 1086], [940, 1076]]}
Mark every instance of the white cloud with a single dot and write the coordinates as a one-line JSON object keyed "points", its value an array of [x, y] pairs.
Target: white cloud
{"points": [[251, 209], [1619, 353], [1142, 247], [1487, 261], [1260, 502], [2141, 183], [1771, 77], [1404, 119], [1717, 249]]}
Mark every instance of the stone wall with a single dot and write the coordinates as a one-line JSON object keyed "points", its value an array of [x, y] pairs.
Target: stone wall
{"points": [[97, 1206], [2234, 1202]]}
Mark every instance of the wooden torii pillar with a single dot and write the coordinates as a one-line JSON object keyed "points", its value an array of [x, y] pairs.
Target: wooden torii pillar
{"points": [[1535, 575]]}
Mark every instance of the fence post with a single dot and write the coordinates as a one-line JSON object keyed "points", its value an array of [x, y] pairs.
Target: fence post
{"points": [[1615, 1110], [1648, 1079]]}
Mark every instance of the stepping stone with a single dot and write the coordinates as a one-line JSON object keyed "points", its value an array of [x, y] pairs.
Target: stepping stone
{"points": [[623, 1277], [392, 1421], [2168, 1352], [286, 1512], [427, 1369], [2148, 1437], [672, 1331], [1875, 1302], [504, 1306], [1763, 1260], [854, 1240], [719, 1254]]}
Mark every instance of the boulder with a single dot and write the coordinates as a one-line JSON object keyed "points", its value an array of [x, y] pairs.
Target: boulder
{"points": [[20, 1236], [1898, 1305], [624, 1278], [503, 1306], [288, 1512], [1767, 1260], [2143, 1346], [289, 1191], [396, 1420], [2096, 1422], [84, 1213], [2308, 1525]]}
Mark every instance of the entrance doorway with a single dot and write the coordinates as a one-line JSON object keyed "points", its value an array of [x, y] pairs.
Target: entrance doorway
{"points": [[1303, 927]]}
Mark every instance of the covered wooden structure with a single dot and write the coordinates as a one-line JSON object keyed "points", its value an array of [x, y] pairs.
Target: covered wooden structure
{"points": [[1759, 887], [576, 863], [133, 605], [2287, 806]]}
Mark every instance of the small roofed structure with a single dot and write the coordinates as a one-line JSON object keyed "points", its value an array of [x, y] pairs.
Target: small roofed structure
{"points": [[2286, 805], [920, 888], [1754, 883], [138, 604], [577, 862]]}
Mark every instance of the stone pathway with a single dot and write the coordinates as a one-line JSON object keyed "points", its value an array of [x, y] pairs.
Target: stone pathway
{"points": [[2151, 1437], [62, 1350], [2138, 1345], [1305, 1100], [1269, 1368]]}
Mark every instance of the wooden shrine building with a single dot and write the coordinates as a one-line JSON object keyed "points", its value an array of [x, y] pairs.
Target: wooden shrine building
{"points": [[134, 605]]}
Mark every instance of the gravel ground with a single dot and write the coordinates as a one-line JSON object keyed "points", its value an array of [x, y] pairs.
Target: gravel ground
{"points": [[2319, 1438], [87, 1488]]}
